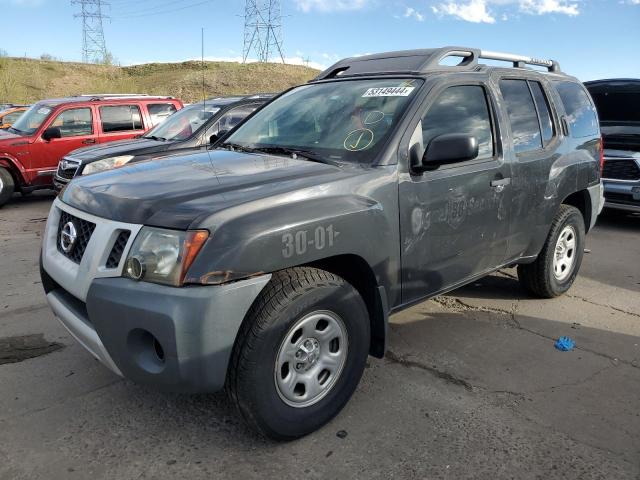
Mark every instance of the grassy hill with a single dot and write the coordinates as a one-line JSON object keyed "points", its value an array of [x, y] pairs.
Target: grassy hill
{"points": [[24, 80]]}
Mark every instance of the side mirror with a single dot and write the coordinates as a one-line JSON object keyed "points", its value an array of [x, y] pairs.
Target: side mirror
{"points": [[217, 136], [51, 133], [448, 148]]}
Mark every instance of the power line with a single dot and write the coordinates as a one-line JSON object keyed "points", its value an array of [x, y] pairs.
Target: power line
{"points": [[94, 48], [153, 11], [262, 30]]}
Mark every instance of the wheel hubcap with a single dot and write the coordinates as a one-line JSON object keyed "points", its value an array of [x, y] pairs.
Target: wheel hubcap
{"points": [[311, 358], [565, 253]]}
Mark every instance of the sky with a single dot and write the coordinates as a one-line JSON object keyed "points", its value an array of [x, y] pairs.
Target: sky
{"points": [[590, 38]]}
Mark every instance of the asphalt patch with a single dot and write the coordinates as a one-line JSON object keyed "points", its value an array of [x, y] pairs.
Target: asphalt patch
{"points": [[24, 347]]}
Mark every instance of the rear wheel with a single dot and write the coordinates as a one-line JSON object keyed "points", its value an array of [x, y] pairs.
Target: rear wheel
{"points": [[557, 265], [7, 186], [300, 353]]}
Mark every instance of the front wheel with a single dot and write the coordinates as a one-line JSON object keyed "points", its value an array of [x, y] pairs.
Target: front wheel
{"points": [[557, 265], [7, 186], [300, 353]]}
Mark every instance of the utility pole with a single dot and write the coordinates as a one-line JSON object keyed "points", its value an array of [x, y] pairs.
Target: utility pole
{"points": [[262, 30], [94, 49]]}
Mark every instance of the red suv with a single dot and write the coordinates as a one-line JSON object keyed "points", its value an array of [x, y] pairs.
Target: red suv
{"points": [[31, 149]]}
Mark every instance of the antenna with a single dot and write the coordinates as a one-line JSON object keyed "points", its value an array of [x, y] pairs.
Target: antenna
{"points": [[94, 49], [204, 96], [262, 30]]}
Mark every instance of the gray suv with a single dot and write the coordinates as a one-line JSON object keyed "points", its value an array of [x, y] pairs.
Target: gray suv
{"points": [[269, 265]]}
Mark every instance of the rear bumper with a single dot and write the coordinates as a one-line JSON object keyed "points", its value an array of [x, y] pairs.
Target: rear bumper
{"points": [[622, 195]]}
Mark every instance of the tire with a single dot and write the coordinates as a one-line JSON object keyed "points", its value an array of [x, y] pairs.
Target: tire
{"points": [[7, 186], [546, 277], [297, 302]]}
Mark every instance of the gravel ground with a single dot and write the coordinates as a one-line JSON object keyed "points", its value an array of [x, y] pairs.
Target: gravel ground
{"points": [[471, 387]]}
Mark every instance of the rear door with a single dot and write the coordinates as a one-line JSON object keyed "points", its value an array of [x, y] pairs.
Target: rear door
{"points": [[120, 122], [454, 220], [533, 147], [77, 129]]}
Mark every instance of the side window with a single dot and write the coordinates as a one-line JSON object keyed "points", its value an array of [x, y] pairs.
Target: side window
{"points": [[74, 122], [233, 117], [159, 111], [522, 115], [546, 123], [460, 109], [120, 118], [581, 114]]}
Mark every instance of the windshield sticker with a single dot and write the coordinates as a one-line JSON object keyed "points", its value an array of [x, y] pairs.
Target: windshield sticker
{"points": [[358, 140], [44, 111], [388, 92], [373, 117]]}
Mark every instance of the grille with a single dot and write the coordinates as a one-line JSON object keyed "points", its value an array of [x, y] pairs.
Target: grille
{"points": [[84, 230], [626, 169], [118, 248], [67, 169]]}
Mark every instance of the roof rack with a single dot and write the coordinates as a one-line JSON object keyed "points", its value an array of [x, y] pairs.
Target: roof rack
{"points": [[426, 60], [111, 95]]}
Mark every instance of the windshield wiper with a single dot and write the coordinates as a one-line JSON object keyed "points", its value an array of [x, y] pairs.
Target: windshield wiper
{"points": [[153, 137], [295, 152], [15, 130], [236, 147]]}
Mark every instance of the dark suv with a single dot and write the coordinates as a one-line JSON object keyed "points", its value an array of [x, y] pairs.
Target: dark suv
{"points": [[196, 125], [269, 266], [618, 104]]}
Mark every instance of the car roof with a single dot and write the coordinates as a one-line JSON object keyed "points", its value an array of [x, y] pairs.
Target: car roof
{"points": [[231, 100], [117, 98], [423, 61]]}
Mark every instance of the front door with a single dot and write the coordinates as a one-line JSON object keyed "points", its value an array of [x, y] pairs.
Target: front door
{"points": [[454, 220], [76, 130]]}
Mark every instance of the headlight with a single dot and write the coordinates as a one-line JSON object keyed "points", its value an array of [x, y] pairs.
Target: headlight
{"points": [[163, 256], [107, 164]]}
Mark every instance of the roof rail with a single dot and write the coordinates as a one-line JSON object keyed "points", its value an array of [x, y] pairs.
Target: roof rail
{"points": [[426, 60], [114, 95], [470, 57]]}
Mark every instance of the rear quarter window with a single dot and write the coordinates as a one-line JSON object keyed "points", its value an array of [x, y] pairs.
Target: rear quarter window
{"points": [[581, 114], [160, 111]]}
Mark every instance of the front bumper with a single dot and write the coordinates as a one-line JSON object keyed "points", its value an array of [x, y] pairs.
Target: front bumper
{"points": [[177, 339], [622, 195]]}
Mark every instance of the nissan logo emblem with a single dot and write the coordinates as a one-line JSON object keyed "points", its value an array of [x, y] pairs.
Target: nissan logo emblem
{"points": [[68, 237]]}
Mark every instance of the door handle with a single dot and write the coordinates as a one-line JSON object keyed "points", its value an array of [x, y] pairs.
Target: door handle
{"points": [[499, 184], [88, 141]]}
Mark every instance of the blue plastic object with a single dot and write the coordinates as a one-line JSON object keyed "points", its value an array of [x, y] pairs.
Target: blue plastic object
{"points": [[565, 344]]}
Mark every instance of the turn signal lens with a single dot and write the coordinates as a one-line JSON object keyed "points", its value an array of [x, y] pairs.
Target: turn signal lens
{"points": [[192, 245]]}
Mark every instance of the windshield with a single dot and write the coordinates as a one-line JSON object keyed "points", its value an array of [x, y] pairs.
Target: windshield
{"points": [[184, 123], [341, 121], [31, 120]]}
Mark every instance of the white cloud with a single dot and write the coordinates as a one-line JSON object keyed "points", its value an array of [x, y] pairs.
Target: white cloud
{"points": [[474, 11], [331, 5], [413, 13], [540, 7]]}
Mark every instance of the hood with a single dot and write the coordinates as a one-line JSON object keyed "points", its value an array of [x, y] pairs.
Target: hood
{"points": [[179, 190], [7, 137], [132, 146]]}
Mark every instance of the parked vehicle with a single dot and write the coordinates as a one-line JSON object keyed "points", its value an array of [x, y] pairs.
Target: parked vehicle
{"points": [[618, 104], [271, 264], [6, 106], [194, 126], [10, 115], [32, 147]]}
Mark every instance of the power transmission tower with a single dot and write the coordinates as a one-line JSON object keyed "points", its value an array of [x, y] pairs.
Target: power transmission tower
{"points": [[262, 29], [94, 49]]}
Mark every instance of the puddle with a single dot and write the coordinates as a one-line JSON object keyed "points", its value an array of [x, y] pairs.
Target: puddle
{"points": [[24, 347]]}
